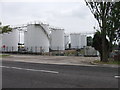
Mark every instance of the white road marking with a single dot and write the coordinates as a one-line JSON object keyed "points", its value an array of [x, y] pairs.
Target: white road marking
{"points": [[30, 69], [117, 77]]}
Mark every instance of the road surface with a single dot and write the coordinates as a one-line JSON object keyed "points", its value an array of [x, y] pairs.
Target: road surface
{"points": [[36, 75]]}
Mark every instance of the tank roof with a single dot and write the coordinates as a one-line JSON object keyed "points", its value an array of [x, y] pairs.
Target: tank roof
{"points": [[75, 34]]}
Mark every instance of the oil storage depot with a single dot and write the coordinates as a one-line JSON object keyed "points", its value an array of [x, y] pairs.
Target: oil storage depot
{"points": [[41, 37]]}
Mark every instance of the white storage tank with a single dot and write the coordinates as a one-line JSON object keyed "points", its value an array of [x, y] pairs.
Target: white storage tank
{"points": [[0, 42], [83, 41], [10, 40], [75, 40], [78, 40], [36, 38], [25, 38], [66, 41], [46, 27], [57, 39]]}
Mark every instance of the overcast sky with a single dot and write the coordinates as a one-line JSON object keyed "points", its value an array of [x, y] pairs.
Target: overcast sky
{"points": [[73, 16]]}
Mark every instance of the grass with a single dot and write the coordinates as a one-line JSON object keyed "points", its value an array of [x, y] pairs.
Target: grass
{"points": [[4, 55], [109, 62]]}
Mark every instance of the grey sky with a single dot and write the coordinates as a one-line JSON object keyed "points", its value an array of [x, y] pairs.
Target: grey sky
{"points": [[72, 16]]}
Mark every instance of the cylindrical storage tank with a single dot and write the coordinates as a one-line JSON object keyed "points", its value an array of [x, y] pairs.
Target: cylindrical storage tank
{"points": [[83, 41], [57, 39], [46, 27], [36, 38], [75, 40], [10, 40], [0, 42], [66, 41], [25, 38]]}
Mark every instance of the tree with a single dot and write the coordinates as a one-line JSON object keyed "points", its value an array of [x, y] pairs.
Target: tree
{"points": [[97, 42], [5, 29], [107, 14], [113, 24], [0, 26]]}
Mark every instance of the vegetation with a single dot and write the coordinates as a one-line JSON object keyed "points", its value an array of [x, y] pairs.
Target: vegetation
{"points": [[97, 43], [108, 16], [4, 55], [4, 29], [109, 62]]}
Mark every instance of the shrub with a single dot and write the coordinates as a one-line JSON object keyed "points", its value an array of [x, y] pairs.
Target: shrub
{"points": [[117, 57]]}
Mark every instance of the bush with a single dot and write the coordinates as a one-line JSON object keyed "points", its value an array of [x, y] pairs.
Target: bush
{"points": [[117, 57]]}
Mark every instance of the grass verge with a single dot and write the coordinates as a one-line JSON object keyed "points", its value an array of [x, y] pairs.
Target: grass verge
{"points": [[4, 55], [109, 62]]}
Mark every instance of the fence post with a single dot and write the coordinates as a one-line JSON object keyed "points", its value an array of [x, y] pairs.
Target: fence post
{"points": [[27, 49], [43, 51], [6, 48], [40, 50], [12, 48], [31, 49], [35, 49], [77, 50], [58, 50], [49, 51]]}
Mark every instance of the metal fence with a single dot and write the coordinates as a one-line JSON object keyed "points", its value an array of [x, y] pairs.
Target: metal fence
{"points": [[86, 51]]}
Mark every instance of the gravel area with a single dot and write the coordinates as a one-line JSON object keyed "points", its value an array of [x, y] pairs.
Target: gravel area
{"points": [[52, 59]]}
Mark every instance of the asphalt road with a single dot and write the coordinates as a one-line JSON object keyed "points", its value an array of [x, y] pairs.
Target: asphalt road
{"points": [[36, 75]]}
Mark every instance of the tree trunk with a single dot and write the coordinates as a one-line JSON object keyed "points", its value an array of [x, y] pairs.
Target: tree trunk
{"points": [[104, 46], [104, 49]]}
